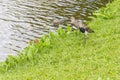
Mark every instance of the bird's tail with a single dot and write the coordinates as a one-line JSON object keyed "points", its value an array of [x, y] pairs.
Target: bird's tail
{"points": [[90, 30]]}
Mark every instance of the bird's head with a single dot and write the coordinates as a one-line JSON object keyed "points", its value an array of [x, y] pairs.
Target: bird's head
{"points": [[80, 22], [72, 19]]}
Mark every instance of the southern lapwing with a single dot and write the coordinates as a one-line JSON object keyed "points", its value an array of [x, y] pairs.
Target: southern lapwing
{"points": [[81, 26]]}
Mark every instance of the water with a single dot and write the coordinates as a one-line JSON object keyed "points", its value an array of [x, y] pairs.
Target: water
{"points": [[25, 20]]}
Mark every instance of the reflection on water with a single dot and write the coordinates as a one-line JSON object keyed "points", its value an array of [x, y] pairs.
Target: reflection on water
{"points": [[24, 20]]}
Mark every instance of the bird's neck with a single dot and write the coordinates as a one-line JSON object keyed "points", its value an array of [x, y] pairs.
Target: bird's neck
{"points": [[81, 25]]}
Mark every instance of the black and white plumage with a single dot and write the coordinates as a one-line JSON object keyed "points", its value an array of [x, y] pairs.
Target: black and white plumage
{"points": [[82, 27], [79, 25], [82, 30]]}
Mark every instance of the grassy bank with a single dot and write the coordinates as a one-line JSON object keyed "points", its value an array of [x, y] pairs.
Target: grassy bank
{"points": [[62, 55]]}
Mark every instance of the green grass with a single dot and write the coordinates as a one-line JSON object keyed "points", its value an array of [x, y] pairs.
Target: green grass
{"points": [[62, 56]]}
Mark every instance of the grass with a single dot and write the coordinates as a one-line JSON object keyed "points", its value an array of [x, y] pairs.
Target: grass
{"points": [[62, 55]]}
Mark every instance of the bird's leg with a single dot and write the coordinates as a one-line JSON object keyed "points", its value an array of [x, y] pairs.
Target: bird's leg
{"points": [[86, 33], [84, 39]]}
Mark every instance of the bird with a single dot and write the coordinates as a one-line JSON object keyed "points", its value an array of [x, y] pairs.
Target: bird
{"points": [[84, 28], [59, 23], [81, 26], [74, 23], [56, 23]]}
